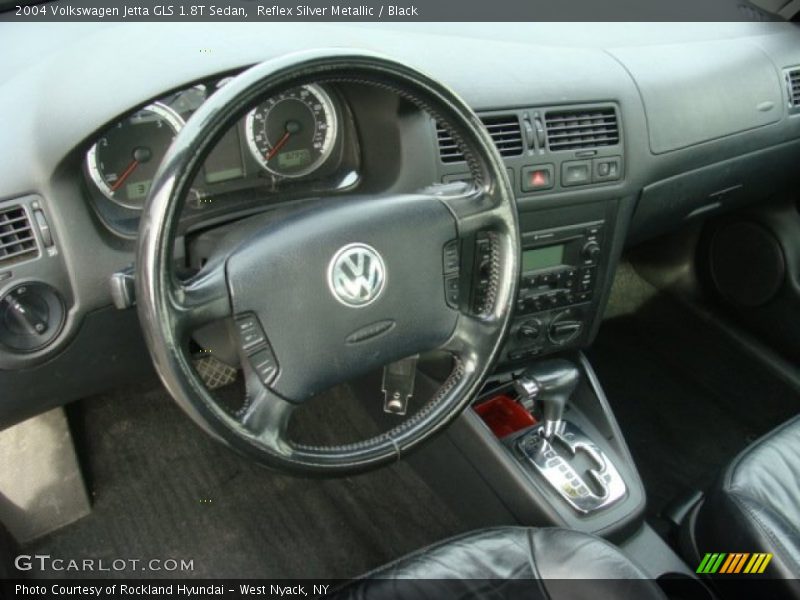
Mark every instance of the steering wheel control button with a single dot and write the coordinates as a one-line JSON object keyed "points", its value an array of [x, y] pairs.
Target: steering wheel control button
{"points": [[451, 287], [356, 275], [483, 273], [451, 265], [254, 343], [251, 335], [451, 259], [576, 172], [265, 365], [537, 177]]}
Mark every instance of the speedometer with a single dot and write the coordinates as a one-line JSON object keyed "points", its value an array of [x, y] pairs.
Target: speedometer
{"points": [[292, 134]]}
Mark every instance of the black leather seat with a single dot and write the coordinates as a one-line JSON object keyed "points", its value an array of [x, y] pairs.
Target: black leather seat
{"points": [[510, 562], [755, 508]]}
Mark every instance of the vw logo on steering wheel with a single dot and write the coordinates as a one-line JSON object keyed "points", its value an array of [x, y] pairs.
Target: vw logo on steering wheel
{"points": [[356, 275]]}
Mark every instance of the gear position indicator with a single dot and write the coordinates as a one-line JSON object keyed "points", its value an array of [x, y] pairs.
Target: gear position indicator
{"points": [[602, 485]]}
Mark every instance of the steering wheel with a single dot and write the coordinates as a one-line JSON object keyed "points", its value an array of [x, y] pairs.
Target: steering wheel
{"points": [[337, 287]]}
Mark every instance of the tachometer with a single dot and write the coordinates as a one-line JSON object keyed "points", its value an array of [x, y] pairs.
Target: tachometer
{"points": [[293, 133], [125, 158]]}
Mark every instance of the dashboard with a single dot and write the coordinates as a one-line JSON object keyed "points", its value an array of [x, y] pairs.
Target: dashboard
{"points": [[301, 142], [611, 134]]}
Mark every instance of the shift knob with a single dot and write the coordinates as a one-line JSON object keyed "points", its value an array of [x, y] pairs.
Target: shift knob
{"points": [[551, 382]]}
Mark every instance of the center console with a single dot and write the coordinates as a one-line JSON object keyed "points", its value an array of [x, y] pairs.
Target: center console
{"points": [[561, 459]]}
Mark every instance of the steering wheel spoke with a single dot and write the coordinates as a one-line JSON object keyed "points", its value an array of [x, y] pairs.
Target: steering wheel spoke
{"points": [[265, 414], [202, 300], [475, 209], [468, 334]]}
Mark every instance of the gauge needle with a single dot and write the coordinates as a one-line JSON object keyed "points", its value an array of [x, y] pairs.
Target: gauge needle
{"points": [[125, 174], [281, 142]]}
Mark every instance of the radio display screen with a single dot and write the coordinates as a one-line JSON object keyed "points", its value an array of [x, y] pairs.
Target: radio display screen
{"points": [[542, 258]]}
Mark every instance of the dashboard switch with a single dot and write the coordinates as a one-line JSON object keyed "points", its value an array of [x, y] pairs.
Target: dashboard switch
{"points": [[576, 172], [44, 228], [537, 177], [606, 169]]}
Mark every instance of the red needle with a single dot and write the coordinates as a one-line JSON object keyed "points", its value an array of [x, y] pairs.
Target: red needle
{"points": [[125, 174], [278, 146]]}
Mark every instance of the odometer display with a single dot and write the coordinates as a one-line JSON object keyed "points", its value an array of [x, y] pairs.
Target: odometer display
{"points": [[294, 158], [292, 134]]}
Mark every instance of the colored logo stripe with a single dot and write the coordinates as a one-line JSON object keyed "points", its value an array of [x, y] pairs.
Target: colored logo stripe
{"points": [[733, 563], [758, 563], [711, 563]]}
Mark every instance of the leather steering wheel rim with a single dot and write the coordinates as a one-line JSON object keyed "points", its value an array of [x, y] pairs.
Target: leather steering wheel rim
{"points": [[169, 310]]}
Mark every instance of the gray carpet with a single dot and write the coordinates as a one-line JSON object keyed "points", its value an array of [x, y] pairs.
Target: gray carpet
{"points": [[163, 489]]}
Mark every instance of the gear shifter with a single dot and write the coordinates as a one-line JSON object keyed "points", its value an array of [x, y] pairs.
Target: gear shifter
{"points": [[572, 464], [550, 382]]}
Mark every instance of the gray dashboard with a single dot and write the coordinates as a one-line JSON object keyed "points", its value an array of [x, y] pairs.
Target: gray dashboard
{"points": [[705, 117]]}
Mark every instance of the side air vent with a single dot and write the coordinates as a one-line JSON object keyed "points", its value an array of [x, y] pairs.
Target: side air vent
{"points": [[583, 128], [17, 239], [504, 130], [793, 85]]}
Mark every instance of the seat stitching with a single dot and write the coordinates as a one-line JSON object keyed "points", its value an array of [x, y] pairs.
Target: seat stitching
{"points": [[765, 530], [731, 471]]}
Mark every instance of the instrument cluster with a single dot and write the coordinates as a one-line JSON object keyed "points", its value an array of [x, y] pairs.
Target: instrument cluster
{"points": [[298, 142]]}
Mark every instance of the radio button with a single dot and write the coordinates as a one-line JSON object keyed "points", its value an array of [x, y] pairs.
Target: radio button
{"points": [[532, 280]]}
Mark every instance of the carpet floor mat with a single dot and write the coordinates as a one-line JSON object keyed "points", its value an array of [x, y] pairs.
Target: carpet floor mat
{"points": [[686, 398], [163, 489]]}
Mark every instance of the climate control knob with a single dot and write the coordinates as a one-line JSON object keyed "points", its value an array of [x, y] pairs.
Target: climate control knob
{"points": [[529, 330]]}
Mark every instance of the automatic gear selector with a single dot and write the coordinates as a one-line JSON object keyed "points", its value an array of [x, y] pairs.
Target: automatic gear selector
{"points": [[577, 468]]}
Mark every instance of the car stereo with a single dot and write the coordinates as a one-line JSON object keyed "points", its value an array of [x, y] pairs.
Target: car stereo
{"points": [[559, 267], [558, 276]]}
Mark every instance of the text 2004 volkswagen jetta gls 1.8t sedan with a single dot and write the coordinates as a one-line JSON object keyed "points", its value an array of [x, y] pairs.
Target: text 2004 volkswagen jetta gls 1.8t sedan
{"points": [[519, 301]]}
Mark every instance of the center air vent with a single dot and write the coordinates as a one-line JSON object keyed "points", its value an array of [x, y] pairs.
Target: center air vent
{"points": [[16, 235], [583, 128], [504, 130], [793, 85]]}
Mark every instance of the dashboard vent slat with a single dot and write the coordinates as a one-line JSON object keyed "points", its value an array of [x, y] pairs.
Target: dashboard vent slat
{"points": [[17, 239], [793, 83], [504, 130], [581, 128]]}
